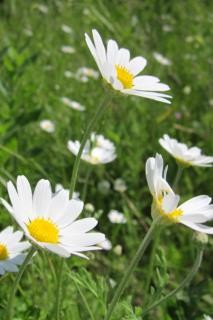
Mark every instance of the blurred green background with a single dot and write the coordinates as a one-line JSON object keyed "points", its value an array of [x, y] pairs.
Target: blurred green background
{"points": [[35, 73]]}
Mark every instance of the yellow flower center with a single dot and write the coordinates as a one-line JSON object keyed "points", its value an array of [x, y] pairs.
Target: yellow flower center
{"points": [[172, 216], [3, 252], [43, 230], [124, 76]]}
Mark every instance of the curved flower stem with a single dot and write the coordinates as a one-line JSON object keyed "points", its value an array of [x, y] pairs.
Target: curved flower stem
{"points": [[84, 193], [101, 108], [124, 281], [99, 112], [177, 178], [186, 280], [9, 311]]}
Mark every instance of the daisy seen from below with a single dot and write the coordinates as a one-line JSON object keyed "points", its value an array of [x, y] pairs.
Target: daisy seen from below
{"points": [[183, 154], [11, 250], [49, 220], [97, 150], [192, 213], [121, 72]]}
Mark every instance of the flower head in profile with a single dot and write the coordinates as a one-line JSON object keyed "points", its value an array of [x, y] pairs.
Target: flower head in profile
{"points": [[192, 213], [121, 72], [47, 125], [97, 150], [183, 154], [49, 220], [11, 250]]}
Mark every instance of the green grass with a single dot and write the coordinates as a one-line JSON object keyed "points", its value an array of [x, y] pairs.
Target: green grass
{"points": [[31, 83]]}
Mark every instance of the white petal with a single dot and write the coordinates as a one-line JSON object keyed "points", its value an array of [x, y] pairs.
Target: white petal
{"points": [[88, 239], [199, 227], [80, 226], [41, 198], [58, 204], [136, 65], [100, 49], [122, 57], [59, 250], [112, 49], [25, 195], [71, 213], [149, 83], [195, 204]]}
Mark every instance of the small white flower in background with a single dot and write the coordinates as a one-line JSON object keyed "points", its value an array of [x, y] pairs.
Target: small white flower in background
{"points": [[167, 28], [68, 74], [104, 186], [192, 213], [97, 150], [89, 207], [68, 49], [42, 8], [211, 102], [66, 28], [75, 195], [86, 12], [47, 125], [72, 104], [183, 154], [84, 73], [120, 185], [116, 217], [106, 245], [28, 32], [187, 90], [161, 59], [57, 87], [112, 282], [11, 250], [121, 72], [118, 250], [49, 219], [206, 317]]}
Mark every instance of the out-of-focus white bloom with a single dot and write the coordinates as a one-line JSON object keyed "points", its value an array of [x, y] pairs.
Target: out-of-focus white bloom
{"points": [[50, 219], [187, 90], [120, 185], [69, 74], [86, 12], [47, 125], [97, 150], [112, 282], [68, 49], [161, 59], [122, 73], [75, 195], [192, 213], [42, 8], [72, 104], [28, 32], [118, 250], [57, 87], [11, 250], [106, 245], [89, 207], [116, 217], [167, 28], [66, 28], [206, 317], [211, 102], [104, 186], [84, 73], [185, 155]]}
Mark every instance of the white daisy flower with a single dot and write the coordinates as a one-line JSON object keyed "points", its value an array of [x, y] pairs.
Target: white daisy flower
{"points": [[49, 220], [192, 213], [72, 104], [116, 217], [75, 195], [97, 150], [120, 185], [122, 73], [182, 153], [68, 49], [85, 73], [69, 74], [66, 28], [161, 59], [11, 250], [47, 125]]}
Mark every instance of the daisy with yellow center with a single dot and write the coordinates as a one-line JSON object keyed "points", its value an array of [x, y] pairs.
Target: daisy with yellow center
{"points": [[11, 250], [49, 220], [121, 72], [97, 150], [192, 213]]}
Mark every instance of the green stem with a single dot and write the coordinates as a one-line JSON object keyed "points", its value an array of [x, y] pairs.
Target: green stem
{"points": [[177, 178], [99, 112], [124, 281], [84, 301], [9, 312], [86, 182], [186, 281], [101, 108]]}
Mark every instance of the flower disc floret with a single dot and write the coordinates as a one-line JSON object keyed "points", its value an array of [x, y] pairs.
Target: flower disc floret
{"points": [[43, 230], [3, 252]]}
